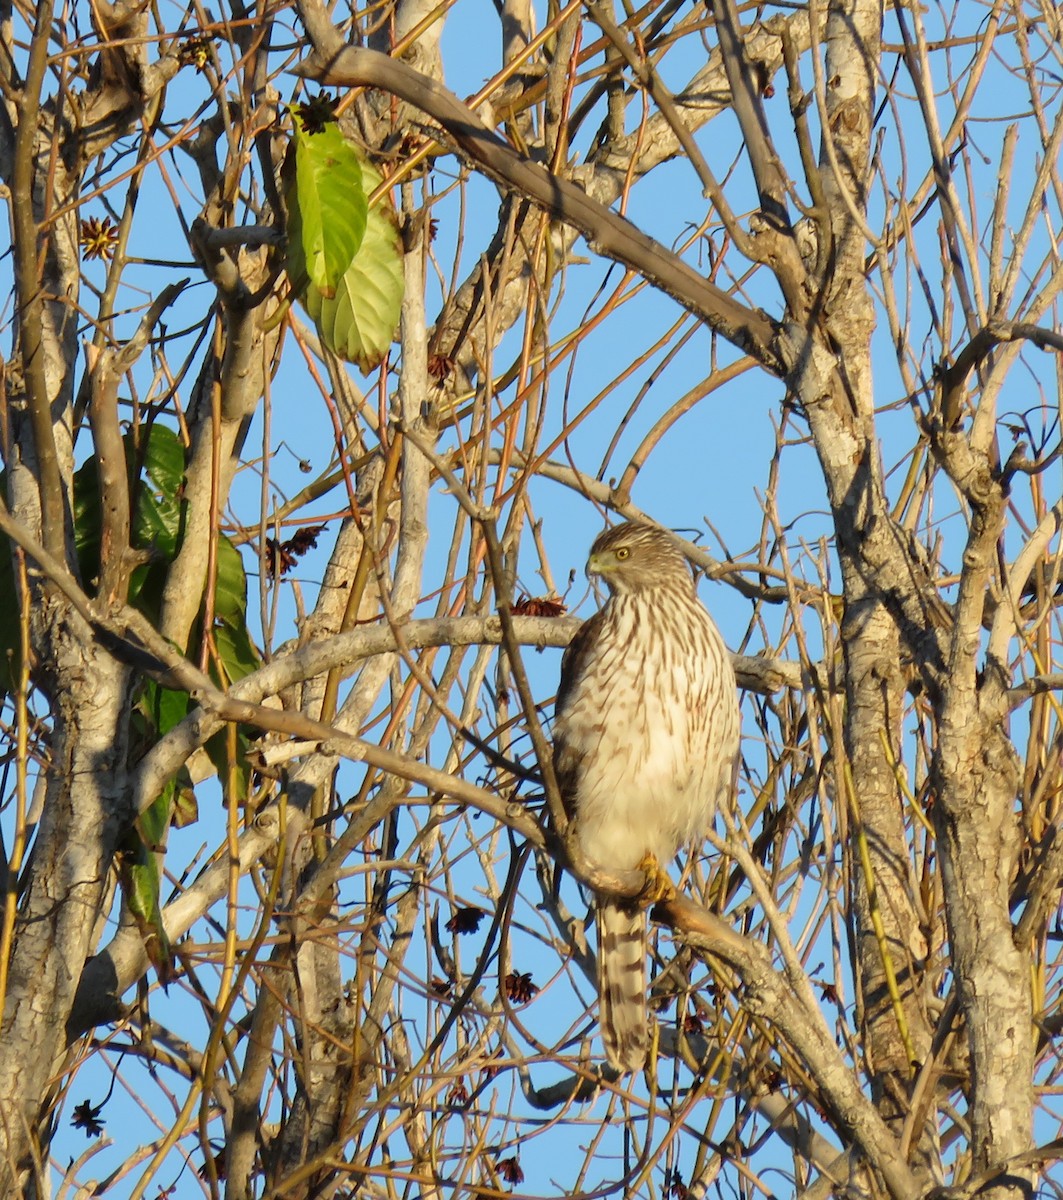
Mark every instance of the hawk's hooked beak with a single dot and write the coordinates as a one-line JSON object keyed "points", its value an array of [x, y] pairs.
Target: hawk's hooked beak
{"points": [[594, 565]]}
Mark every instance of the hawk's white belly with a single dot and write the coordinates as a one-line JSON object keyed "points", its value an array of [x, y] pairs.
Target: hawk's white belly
{"points": [[655, 769]]}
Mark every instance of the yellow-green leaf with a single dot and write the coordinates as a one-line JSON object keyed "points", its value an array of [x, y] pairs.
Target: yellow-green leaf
{"points": [[326, 203], [359, 321]]}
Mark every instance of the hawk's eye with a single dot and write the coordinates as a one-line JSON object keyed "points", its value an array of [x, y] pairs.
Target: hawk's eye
{"points": [[623, 552]]}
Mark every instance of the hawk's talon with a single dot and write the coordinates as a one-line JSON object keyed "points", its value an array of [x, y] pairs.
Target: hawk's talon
{"points": [[658, 887]]}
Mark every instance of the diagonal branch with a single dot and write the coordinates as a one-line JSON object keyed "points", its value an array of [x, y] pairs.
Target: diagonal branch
{"points": [[768, 994], [666, 105], [745, 98], [608, 233]]}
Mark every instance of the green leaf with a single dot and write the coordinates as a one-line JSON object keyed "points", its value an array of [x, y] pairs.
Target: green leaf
{"points": [[163, 707], [141, 878], [155, 819], [326, 203], [359, 321], [158, 491], [155, 463], [230, 591], [87, 520], [237, 652]]}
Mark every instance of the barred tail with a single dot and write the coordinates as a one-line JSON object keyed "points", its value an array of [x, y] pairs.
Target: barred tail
{"points": [[622, 1011]]}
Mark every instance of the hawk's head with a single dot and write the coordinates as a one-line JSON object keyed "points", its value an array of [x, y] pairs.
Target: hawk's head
{"points": [[635, 557]]}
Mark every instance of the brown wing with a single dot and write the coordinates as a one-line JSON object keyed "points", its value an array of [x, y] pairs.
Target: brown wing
{"points": [[573, 663]]}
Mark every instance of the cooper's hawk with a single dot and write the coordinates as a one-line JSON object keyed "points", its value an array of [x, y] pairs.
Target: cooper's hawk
{"points": [[645, 747]]}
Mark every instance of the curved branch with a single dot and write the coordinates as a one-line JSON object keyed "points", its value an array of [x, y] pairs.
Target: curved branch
{"points": [[1037, 685], [344, 651], [1006, 620], [130, 637], [984, 342]]}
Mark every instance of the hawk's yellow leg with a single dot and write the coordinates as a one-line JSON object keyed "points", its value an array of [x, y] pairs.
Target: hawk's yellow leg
{"points": [[658, 886]]}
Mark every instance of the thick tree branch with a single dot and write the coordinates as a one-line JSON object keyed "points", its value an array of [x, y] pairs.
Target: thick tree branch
{"points": [[31, 324], [767, 994]]}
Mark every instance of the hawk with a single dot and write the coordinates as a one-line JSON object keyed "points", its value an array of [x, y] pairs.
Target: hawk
{"points": [[646, 730]]}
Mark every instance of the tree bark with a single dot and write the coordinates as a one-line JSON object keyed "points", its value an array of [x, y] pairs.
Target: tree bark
{"points": [[85, 811]]}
